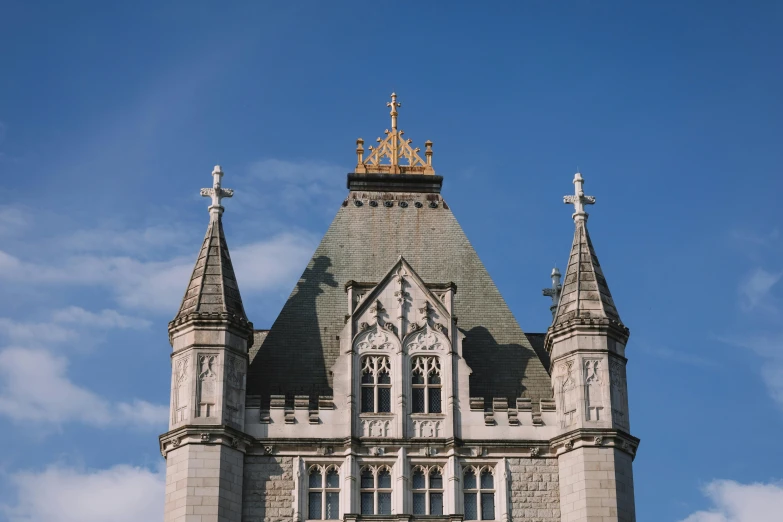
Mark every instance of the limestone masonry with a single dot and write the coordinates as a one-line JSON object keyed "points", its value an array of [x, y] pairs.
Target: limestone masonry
{"points": [[396, 384]]}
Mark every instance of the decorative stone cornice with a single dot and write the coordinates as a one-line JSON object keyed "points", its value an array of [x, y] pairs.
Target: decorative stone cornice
{"points": [[211, 320], [223, 435], [598, 325], [595, 438]]}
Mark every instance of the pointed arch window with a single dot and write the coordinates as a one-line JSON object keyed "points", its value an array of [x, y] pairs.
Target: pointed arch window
{"points": [[323, 493], [376, 490], [427, 486], [376, 384], [426, 385], [479, 493]]}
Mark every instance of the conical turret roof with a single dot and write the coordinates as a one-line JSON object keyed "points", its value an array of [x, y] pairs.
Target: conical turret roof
{"points": [[213, 286], [585, 292]]}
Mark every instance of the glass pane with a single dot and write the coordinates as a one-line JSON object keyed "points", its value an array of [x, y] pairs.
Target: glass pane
{"points": [[367, 504], [436, 480], [470, 479], [418, 479], [419, 504], [384, 479], [470, 506], [367, 378], [315, 478], [434, 378], [418, 400], [367, 479], [434, 400], [332, 479], [487, 506], [314, 511], [384, 399], [368, 399], [486, 480], [384, 503], [383, 378], [436, 503], [418, 378], [332, 505]]}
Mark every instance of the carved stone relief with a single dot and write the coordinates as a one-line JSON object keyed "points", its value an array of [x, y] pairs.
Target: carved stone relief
{"points": [[427, 428], [594, 383], [207, 385], [376, 340], [181, 389], [235, 377], [618, 393], [568, 398], [425, 340], [376, 427]]}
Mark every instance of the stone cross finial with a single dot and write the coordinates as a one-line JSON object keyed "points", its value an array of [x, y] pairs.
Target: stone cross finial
{"points": [[217, 193], [393, 104], [554, 291], [579, 200]]}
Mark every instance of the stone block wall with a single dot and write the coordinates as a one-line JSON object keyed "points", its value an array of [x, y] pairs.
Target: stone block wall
{"points": [[596, 485], [268, 489], [534, 494], [203, 484]]}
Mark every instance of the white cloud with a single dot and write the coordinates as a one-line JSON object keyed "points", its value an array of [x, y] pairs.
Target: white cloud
{"points": [[35, 388], [770, 349], [735, 502], [35, 333], [159, 285], [755, 289], [58, 494], [102, 319]]}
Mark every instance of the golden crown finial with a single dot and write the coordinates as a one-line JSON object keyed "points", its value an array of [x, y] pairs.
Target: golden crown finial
{"points": [[393, 147]]}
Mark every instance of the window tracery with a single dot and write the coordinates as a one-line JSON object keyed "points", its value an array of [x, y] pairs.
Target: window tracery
{"points": [[427, 486], [323, 501], [376, 384], [479, 493], [426, 385], [376, 490]]}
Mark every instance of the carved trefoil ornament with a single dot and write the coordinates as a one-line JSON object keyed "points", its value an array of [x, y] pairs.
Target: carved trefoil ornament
{"points": [[207, 384], [427, 429], [594, 390], [376, 339], [376, 428]]}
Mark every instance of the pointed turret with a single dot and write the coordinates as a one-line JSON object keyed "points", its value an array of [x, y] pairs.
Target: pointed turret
{"points": [[586, 343], [210, 337], [213, 286]]}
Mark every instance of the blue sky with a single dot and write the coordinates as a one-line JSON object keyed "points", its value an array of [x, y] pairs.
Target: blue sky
{"points": [[112, 116]]}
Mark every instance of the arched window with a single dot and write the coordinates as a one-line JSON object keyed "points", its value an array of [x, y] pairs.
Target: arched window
{"points": [[427, 486], [324, 493], [376, 384], [376, 486], [426, 383], [479, 492]]}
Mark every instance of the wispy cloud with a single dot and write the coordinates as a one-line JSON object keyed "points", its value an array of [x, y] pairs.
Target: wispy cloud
{"points": [[63, 494], [35, 389], [754, 289], [735, 502], [770, 349], [680, 355], [157, 286]]}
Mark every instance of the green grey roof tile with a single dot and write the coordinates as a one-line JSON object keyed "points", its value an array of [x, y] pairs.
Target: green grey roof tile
{"points": [[363, 241]]}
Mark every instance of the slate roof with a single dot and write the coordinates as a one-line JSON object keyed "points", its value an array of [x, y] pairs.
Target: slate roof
{"points": [[213, 286], [585, 293], [362, 243]]}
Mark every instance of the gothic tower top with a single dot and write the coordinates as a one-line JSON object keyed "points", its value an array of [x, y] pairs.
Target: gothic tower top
{"points": [[385, 158], [213, 289]]}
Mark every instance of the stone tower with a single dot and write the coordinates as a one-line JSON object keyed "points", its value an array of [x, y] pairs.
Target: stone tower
{"points": [[210, 337], [586, 344]]}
